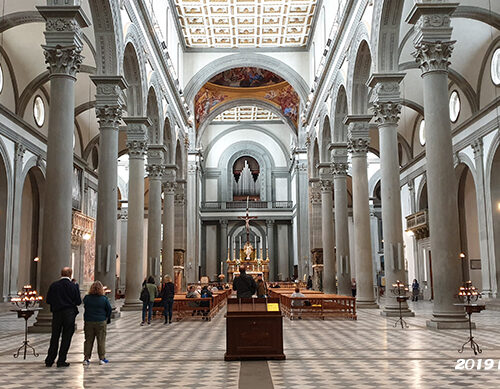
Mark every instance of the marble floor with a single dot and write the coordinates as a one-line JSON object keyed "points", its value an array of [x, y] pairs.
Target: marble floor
{"points": [[367, 353]]}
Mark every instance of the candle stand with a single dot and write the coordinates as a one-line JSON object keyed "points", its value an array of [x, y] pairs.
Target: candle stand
{"points": [[26, 304], [401, 292], [470, 294]]}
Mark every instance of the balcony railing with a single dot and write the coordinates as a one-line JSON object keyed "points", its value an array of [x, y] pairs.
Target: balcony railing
{"points": [[213, 205], [418, 223]]}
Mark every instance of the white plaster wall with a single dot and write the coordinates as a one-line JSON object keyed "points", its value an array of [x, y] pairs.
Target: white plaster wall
{"points": [[281, 187], [211, 189]]}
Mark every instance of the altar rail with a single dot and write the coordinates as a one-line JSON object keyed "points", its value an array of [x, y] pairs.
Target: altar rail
{"points": [[214, 205], [321, 305], [195, 308]]}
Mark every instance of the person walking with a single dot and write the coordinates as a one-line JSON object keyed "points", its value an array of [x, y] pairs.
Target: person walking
{"points": [[167, 295], [244, 285], [309, 283], [147, 303], [261, 287], [63, 297], [96, 317]]}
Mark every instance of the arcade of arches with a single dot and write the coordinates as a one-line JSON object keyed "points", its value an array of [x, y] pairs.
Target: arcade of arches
{"points": [[362, 137]]}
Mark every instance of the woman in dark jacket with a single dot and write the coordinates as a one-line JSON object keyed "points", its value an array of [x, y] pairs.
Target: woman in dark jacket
{"points": [[97, 315], [167, 298]]}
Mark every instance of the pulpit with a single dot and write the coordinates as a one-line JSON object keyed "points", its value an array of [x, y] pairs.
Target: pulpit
{"points": [[254, 329]]}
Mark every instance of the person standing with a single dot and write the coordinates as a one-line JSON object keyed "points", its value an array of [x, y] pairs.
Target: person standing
{"points": [[63, 297], [309, 283], [261, 287], [147, 304], [244, 285], [353, 287], [167, 298], [96, 317], [415, 289]]}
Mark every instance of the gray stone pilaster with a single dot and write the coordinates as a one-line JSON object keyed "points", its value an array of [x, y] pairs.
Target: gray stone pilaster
{"points": [[359, 139], [339, 169], [109, 107], [302, 217], [137, 144], [486, 273], [169, 231], [223, 245], [64, 44], [273, 258], [387, 108], [16, 219], [155, 169], [433, 50], [192, 225]]}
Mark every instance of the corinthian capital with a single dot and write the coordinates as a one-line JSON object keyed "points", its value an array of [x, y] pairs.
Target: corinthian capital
{"points": [[386, 113], [137, 148], [358, 145], [155, 172], [432, 34], [109, 117], [63, 60], [433, 56], [340, 169], [326, 185]]}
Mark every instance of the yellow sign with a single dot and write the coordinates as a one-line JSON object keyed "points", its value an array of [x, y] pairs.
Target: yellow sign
{"points": [[273, 307]]}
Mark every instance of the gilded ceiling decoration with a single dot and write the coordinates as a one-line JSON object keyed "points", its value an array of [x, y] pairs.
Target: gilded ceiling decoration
{"points": [[246, 114], [245, 23]]}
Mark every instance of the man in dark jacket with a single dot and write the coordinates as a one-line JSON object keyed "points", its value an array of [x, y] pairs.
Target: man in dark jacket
{"points": [[63, 297], [244, 285]]}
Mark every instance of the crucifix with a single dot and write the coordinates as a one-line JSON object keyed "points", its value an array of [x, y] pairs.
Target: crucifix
{"points": [[247, 219]]}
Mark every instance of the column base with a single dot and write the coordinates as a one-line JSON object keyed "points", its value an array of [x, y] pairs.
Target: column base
{"points": [[132, 306], [366, 304], [449, 321], [394, 312]]}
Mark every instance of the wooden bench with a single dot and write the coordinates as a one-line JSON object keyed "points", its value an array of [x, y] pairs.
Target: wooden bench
{"points": [[192, 309], [321, 305]]}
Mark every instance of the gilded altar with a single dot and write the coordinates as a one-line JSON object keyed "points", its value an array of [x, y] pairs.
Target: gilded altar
{"points": [[250, 258]]}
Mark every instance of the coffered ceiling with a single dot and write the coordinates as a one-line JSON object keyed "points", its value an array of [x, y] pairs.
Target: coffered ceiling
{"points": [[246, 113], [209, 24]]}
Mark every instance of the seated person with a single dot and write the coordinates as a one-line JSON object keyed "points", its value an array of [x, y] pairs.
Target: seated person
{"points": [[297, 303], [205, 293], [244, 284], [192, 293], [215, 289]]}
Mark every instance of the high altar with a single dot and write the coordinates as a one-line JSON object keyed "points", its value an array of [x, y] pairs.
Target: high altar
{"points": [[248, 256]]}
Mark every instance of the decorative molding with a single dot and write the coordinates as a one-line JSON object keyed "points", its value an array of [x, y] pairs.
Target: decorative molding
{"points": [[340, 169], [326, 185], [137, 148], [169, 188], [477, 147], [358, 145], [19, 152], [155, 171]]}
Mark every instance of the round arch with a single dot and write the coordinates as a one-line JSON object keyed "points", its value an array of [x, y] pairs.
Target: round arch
{"points": [[240, 102], [242, 60], [134, 73]]}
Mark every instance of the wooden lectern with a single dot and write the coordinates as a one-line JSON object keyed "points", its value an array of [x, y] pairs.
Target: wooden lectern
{"points": [[254, 329]]}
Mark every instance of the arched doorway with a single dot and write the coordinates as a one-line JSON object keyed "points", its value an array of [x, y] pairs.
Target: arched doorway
{"points": [[31, 211], [469, 227]]}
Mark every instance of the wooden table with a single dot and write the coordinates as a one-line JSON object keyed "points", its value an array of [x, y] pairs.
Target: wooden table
{"points": [[253, 332]]}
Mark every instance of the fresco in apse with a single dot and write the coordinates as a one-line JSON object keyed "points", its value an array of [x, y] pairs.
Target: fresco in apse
{"points": [[281, 95], [246, 77]]}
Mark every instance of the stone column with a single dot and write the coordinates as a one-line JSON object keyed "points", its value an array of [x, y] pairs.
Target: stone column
{"points": [[315, 237], [192, 224], [169, 230], [123, 219], [340, 168], [223, 246], [62, 51], [270, 249], [386, 108], [137, 147], [359, 139], [155, 170], [327, 230], [477, 147], [433, 51], [109, 103]]}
